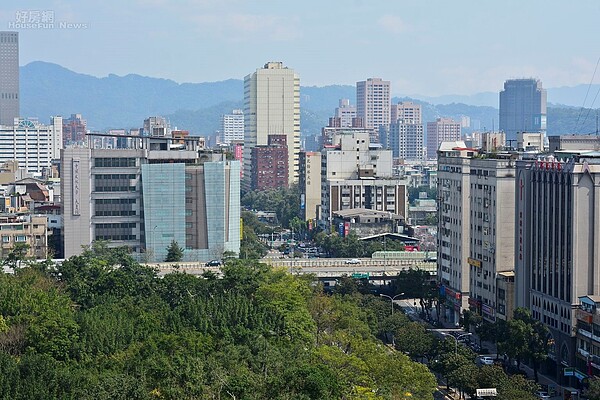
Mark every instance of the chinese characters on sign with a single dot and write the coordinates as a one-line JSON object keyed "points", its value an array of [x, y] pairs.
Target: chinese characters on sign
{"points": [[76, 189]]}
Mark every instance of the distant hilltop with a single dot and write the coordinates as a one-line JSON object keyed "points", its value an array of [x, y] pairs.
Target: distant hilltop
{"points": [[124, 101]]}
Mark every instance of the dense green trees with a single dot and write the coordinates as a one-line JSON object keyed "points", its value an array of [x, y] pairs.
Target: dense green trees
{"points": [[174, 252], [350, 246], [100, 326]]}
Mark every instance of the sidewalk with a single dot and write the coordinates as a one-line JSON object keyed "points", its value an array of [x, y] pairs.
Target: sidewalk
{"points": [[542, 379]]}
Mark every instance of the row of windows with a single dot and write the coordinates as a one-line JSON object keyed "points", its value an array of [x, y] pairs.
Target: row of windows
{"points": [[116, 237], [18, 239], [115, 201], [115, 176], [123, 225], [115, 213], [114, 162], [115, 188]]}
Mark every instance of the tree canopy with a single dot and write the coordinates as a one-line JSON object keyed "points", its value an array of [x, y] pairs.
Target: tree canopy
{"points": [[101, 326]]}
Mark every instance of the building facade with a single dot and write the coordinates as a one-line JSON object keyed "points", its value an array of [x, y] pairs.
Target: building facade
{"points": [[407, 111], [24, 229], [310, 185], [32, 144], [270, 164], [149, 194], [272, 107], [454, 170], [345, 113], [441, 130], [406, 140], [557, 242], [522, 107], [74, 130], [9, 77], [491, 230], [373, 100], [232, 127]]}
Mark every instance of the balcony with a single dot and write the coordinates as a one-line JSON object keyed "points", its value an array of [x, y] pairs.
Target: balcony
{"points": [[584, 316]]}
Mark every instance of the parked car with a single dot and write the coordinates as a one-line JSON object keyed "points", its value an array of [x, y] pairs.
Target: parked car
{"points": [[213, 263], [542, 395], [352, 261], [485, 360]]}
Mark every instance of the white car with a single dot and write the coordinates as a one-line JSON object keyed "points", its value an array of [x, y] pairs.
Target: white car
{"points": [[352, 261], [486, 360], [542, 395]]}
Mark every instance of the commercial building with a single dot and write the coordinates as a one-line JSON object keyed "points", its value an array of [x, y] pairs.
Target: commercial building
{"points": [[441, 130], [373, 100], [149, 194], [9, 77], [272, 107], [522, 107], [270, 164], [31, 143], [557, 242], [232, 127], [574, 142], [355, 174], [310, 185]]}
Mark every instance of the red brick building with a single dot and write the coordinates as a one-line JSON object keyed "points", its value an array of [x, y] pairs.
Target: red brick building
{"points": [[270, 164]]}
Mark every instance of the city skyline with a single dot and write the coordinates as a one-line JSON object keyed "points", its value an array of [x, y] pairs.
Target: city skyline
{"points": [[454, 49]]}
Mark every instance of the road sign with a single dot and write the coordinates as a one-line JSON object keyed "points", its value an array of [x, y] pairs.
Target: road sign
{"points": [[569, 371], [491, 392]]}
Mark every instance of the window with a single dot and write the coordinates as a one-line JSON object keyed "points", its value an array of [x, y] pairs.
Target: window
{"points": [[6, 239], [20, 238]]}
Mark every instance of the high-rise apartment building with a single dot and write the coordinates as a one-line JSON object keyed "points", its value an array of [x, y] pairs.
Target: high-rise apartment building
{"points": [[270, 164], [407, 111], [522, 107], [406, 140], [9, 77], [232, 127], [373, 100], [441, 130], [345, 113], [74, 130], [149, 194], [32, 144], [272, 107], [476, 230]]}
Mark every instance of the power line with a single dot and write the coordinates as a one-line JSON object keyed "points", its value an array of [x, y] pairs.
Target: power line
{"points": [[586, 96]]}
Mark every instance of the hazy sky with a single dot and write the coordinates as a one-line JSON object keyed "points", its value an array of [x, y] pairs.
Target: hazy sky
{"points": [[425, 47]]}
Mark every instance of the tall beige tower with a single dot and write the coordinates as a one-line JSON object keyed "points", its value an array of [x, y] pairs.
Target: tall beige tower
{"points": [[272, 107], [373, 102]]}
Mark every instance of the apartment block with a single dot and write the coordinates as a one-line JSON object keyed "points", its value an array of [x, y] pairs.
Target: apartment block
{"points": [[310, 184], [26, 229], [232, 127], [373, 100], [270, 164], [406, 140], [441, 130], [32, 144], [272, 107]]}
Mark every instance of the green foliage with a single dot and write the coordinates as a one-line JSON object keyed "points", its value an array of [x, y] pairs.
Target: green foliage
{"points": [[350, 246], [174, 252], [100, 326], [285, 202], [17, 255], [592, 392]]}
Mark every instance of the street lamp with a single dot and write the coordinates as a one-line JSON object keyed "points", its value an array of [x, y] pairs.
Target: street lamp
{"points": [[456, 339], [392, 299]]}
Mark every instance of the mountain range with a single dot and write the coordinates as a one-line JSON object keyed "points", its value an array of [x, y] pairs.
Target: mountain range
{"points": [[125, 101]]}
